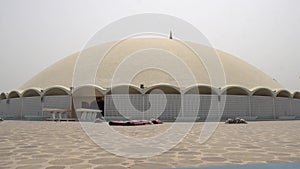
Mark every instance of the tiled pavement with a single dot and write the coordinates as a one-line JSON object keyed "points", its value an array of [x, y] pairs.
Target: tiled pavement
{"points": [[55, 145]]}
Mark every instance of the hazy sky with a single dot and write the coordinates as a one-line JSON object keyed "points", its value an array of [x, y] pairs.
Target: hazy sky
{"points": [[35, 34]]}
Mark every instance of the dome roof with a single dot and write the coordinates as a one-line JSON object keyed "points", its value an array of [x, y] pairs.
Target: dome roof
{"points": [[237, 72]]}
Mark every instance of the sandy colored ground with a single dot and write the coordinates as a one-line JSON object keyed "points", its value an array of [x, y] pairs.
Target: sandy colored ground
{"points": [[55, 145]]}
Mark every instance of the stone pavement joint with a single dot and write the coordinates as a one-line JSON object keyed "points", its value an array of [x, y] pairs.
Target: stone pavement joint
{"points": [[32, 144]]}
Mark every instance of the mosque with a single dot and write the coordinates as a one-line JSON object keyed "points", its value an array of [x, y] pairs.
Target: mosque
{"points": [[52, 93]]}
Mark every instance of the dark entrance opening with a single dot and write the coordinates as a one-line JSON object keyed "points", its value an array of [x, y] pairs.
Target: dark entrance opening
{"points": [[100, 103]]}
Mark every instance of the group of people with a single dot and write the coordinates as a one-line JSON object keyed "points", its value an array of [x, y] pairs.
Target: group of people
{"points": [[235, 121]]}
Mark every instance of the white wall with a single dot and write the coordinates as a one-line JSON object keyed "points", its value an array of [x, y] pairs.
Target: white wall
{"points": [[32, 106], [191, 106], [296, 107], [172, 109], [14, 108], [236, 106], [118, 105], [262, 107], [194, 105], [199, 106], [165, 107], [282, 106], [79, 99], [56, 102], [3, 108]]}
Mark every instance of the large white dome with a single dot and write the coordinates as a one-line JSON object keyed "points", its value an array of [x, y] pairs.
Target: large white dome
{"points": [[237, 72]]}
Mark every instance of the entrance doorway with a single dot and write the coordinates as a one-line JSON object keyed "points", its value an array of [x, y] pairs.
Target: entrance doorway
{"points": [[100, 103]]}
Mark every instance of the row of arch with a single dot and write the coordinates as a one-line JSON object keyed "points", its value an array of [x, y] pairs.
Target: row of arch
{"points": [[131, 89], [260, 102]]}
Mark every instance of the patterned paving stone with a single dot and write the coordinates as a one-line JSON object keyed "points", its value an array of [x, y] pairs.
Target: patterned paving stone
{"points": [[150, 165], [32, 161], [55, 167], [29, 167], [214, 159], [82, 166], [65, 161], [110, 167], [25, 144], [107, 161]]}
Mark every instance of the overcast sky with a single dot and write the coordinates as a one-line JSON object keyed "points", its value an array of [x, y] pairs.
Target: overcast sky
{"points": [[35, 34]]}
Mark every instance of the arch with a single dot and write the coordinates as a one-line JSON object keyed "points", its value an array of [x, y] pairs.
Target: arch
{"points": [[31, 92], [124, 89], [235, 90], [296, 95], [3, 96], [14, 94], [56, 90], [201, 89], [283, 93], [166, 88], [261, 91], [88, 90]]}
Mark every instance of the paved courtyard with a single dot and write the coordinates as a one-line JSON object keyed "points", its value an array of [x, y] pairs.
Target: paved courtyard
{"points": [[55, 145]]}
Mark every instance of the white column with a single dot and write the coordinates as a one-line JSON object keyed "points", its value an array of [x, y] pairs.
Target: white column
{"points": [[84, 115], [90, 115], [53, 115], [290, 106], [94, 116], [81, 115], [250, 110], [87, 116], [274, 108]]}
